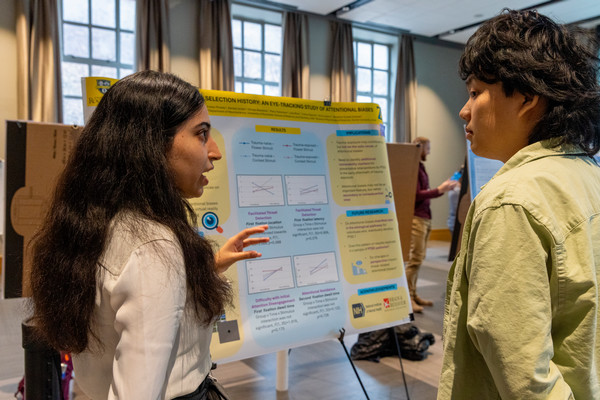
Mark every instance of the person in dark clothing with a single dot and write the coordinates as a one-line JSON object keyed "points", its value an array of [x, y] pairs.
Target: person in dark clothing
{"points": [[421, 225]]}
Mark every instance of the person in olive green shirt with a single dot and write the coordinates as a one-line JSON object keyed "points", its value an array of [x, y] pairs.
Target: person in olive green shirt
{"points": [[523, 296]]}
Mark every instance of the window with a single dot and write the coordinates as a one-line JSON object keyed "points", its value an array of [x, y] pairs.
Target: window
{"points": [[372, 61], [98, 39], [257, 43]]}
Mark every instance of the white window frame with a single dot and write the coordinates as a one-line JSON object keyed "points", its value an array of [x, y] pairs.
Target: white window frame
{"points": [[122, 69], [370, 94], [256, 15]]}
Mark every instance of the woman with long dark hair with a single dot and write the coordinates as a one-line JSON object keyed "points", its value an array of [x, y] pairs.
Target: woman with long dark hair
{"points": [[120, 277]]}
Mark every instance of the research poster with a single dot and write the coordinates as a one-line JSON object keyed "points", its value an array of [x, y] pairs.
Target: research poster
{"points": [[318, 175], [481, 170]]}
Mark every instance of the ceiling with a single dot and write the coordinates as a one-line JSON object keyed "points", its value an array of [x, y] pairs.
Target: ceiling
{"points": [[452, 20]]}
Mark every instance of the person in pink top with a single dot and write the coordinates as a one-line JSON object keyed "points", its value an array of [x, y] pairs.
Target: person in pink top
{"points": [[421, 224]]}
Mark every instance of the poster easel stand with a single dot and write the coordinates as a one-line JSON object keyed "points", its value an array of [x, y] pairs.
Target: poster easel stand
{"points": [[341, 339], [392, 332]]}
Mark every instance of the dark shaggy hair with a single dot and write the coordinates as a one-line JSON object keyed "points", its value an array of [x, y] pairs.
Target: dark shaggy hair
{"points": [[531, 54], [119, 164]]}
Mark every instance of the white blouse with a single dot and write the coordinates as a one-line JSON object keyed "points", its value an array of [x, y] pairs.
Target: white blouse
{"points": [[152, 345]]}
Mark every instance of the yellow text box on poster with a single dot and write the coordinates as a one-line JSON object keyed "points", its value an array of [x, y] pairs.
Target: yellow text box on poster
{"points": [[277, 129], [378, 305], [230, 104], [359, 170], [369, 245], [215, 198]]}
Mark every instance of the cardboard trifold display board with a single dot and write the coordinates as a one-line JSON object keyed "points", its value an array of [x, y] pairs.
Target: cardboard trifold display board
{"points": [[404, 171], [35, 155]]}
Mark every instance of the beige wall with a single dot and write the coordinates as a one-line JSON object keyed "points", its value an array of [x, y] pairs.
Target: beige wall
{"points": [[319, 39], [440, 96], [8, 68], [183, 15]]}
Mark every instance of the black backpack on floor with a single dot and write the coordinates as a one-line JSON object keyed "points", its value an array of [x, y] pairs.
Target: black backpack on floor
{"points": [[376, 344]]}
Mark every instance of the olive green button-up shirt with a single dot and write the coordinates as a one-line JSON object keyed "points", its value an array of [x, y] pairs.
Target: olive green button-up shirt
{"points": [[523, 296]]}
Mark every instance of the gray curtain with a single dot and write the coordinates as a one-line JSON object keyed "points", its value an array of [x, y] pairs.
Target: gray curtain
{"points": [[405, 106], [152, 35], [216, 45], [39, 93], [343, 79], [295, 69]]}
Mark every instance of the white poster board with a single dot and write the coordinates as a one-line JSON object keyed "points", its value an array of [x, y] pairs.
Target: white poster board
{"points": [[481, 170]]}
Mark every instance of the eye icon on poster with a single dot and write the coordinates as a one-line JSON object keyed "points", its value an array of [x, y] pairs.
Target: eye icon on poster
{"points": [[210, 221]]}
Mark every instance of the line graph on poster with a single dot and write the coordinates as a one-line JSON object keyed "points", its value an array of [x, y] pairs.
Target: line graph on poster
{"points": [[306, 189], [265, 275], [315, 269], [260, 190]]}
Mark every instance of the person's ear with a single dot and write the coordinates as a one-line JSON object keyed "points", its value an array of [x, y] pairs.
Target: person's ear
{"points": [[531, 105]]}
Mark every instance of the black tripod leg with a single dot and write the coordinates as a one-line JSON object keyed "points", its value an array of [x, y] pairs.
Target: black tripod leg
{"points": [[393, 333], [341, 339]]}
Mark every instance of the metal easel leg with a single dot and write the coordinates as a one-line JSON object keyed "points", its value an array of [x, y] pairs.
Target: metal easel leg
{"points": [[341, 339], [393, 333]]}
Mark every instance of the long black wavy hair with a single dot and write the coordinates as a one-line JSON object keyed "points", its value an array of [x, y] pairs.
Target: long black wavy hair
{"points": [[119, 164], [530, 53]]}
